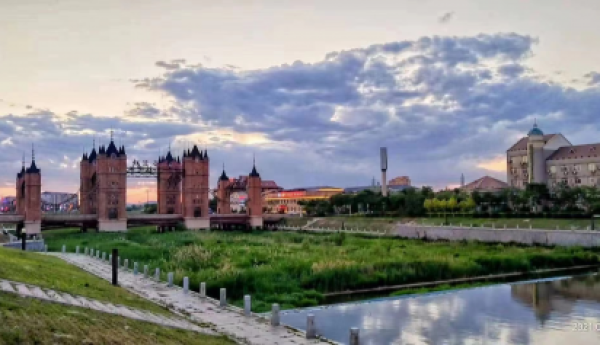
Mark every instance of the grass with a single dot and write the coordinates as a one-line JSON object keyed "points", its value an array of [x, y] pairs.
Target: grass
{"points": [[31, 321], [296, 269], [56, 274], [387, 223]]}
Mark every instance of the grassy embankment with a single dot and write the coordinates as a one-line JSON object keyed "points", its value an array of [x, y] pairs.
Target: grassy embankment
{"points": [[31, 321], [54, 273], [296, 269], [389, 223]]}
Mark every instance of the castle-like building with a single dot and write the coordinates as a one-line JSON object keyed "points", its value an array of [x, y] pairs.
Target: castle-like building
{"points": [[551, 159]]}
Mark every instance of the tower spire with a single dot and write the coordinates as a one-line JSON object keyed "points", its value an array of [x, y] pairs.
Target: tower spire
{"points": [[32, 153], [23, 161], [111, 135], [94, 142]]}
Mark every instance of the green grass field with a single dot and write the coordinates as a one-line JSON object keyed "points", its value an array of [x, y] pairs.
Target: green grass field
{"points": [[56, 274], [31, 321], [296, 269], [382, 223]]}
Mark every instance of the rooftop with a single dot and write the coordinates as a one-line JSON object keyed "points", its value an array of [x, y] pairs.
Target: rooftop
{"points": [[486, 184], [577, 151]]}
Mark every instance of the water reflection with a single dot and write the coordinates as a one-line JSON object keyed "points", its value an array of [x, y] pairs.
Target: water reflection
{"points": [[557, 311]]}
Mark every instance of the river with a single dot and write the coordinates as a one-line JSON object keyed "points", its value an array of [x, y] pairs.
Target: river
{"points": [[563, 310]]}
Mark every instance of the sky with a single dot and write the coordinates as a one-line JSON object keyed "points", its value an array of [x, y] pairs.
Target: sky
{"points": [[312, 89]]}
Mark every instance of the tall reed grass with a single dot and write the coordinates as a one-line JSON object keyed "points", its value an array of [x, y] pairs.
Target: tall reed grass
{"points": [[295, 269]]}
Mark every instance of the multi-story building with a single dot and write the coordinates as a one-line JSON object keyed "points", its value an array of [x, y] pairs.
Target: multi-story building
{"points": [[552, 159], [400, 181], [287, 201]]}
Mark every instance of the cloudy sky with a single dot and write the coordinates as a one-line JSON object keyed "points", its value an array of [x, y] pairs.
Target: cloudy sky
{"points": [[312, 88]]}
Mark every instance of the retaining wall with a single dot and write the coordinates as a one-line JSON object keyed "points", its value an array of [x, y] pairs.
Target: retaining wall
{"points": [[525, 236]]}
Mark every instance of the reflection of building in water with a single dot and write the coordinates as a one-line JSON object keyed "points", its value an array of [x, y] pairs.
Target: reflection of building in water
{"points": [[557, 296]]}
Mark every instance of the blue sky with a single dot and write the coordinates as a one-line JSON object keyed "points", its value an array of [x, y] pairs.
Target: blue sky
{"points": [[313, 88]]}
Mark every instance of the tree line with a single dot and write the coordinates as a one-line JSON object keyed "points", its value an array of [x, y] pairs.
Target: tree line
{"points": [[535, 200]]}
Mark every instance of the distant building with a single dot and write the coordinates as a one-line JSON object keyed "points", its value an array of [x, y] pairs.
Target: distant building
{"points": [[400, 181], [239, 196], [485, 184], [62, 201], [551, 159], [286, 201]]}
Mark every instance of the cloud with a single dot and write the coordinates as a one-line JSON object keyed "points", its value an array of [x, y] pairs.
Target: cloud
{"points": [[442, 105], [446, 17], [594, 78], [173, 65]]}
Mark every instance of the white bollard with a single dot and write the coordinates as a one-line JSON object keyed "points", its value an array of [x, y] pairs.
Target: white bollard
{"points": [[126, 264], [103, 256], [311, 331], [557, 228], [275, 315], [157, 274], [110, 258], [186, 285], [223, 299], [135, 268], [247, 305], [86, 251], [118, 261], [145, 271], [354, 336], [45, 248], [202, 290], [64, 248], [77, 250], [170, 279], [517, 226]]}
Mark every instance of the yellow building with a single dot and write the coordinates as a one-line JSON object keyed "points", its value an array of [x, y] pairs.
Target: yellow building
{"points": [[286, 201]]}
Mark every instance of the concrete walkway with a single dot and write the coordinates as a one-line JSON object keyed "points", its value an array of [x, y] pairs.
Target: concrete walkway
{"points": [[230, 321], [32, 291]]}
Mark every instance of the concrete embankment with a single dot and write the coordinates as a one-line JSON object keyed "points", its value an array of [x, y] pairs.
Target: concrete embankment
{"points": [[523, 236]]}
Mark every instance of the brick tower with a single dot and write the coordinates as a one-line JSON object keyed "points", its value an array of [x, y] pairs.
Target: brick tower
{"points": [[87, 183], [169, 185], [33, 198], [195, 189], [20, 190], [254, 206], [111, 172], [223, 194]]}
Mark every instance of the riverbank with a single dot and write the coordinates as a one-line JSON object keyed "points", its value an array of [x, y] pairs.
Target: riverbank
{"points": [[298, 269], [389, 223]]}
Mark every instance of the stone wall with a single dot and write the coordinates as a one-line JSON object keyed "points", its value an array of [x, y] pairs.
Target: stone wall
{"points": [[524, 236]]}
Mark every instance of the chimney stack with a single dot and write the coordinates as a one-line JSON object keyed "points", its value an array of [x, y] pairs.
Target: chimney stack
{"points": [[384, 166]]}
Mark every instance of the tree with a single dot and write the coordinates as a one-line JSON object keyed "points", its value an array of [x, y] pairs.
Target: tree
{"points": [[150, 208], [428, 204], [452, 204]]}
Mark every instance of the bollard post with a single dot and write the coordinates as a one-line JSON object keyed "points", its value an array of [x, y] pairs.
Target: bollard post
{"points": [[135, 268], [119, 261], [157, 274], [109, 258], [103, 256], [311, 332], [354, 336], [115, 267], [145, 271], [530, 226], [275, 315], [247, 305], [77, 250], [64, 248], [170, 279], [517, 226], [45, 248], [85, 252], [202, 290], [126, 264], [186, 285], [223, 299]]}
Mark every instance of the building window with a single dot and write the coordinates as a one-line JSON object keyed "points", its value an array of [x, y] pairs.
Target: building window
{"points": [[592, 167], [525, 159], [553, 169], [577, 167]]}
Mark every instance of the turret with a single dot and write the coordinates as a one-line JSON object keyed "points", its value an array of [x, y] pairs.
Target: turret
{"points": [[535, 156]]}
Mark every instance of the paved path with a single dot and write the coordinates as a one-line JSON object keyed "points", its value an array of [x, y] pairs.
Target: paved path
{"points": [[230, 321], [32, 291]]}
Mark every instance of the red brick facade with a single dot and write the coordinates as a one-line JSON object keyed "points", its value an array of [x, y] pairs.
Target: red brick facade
{"points": [[168, 186], [29, 197], [195, 183]]}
